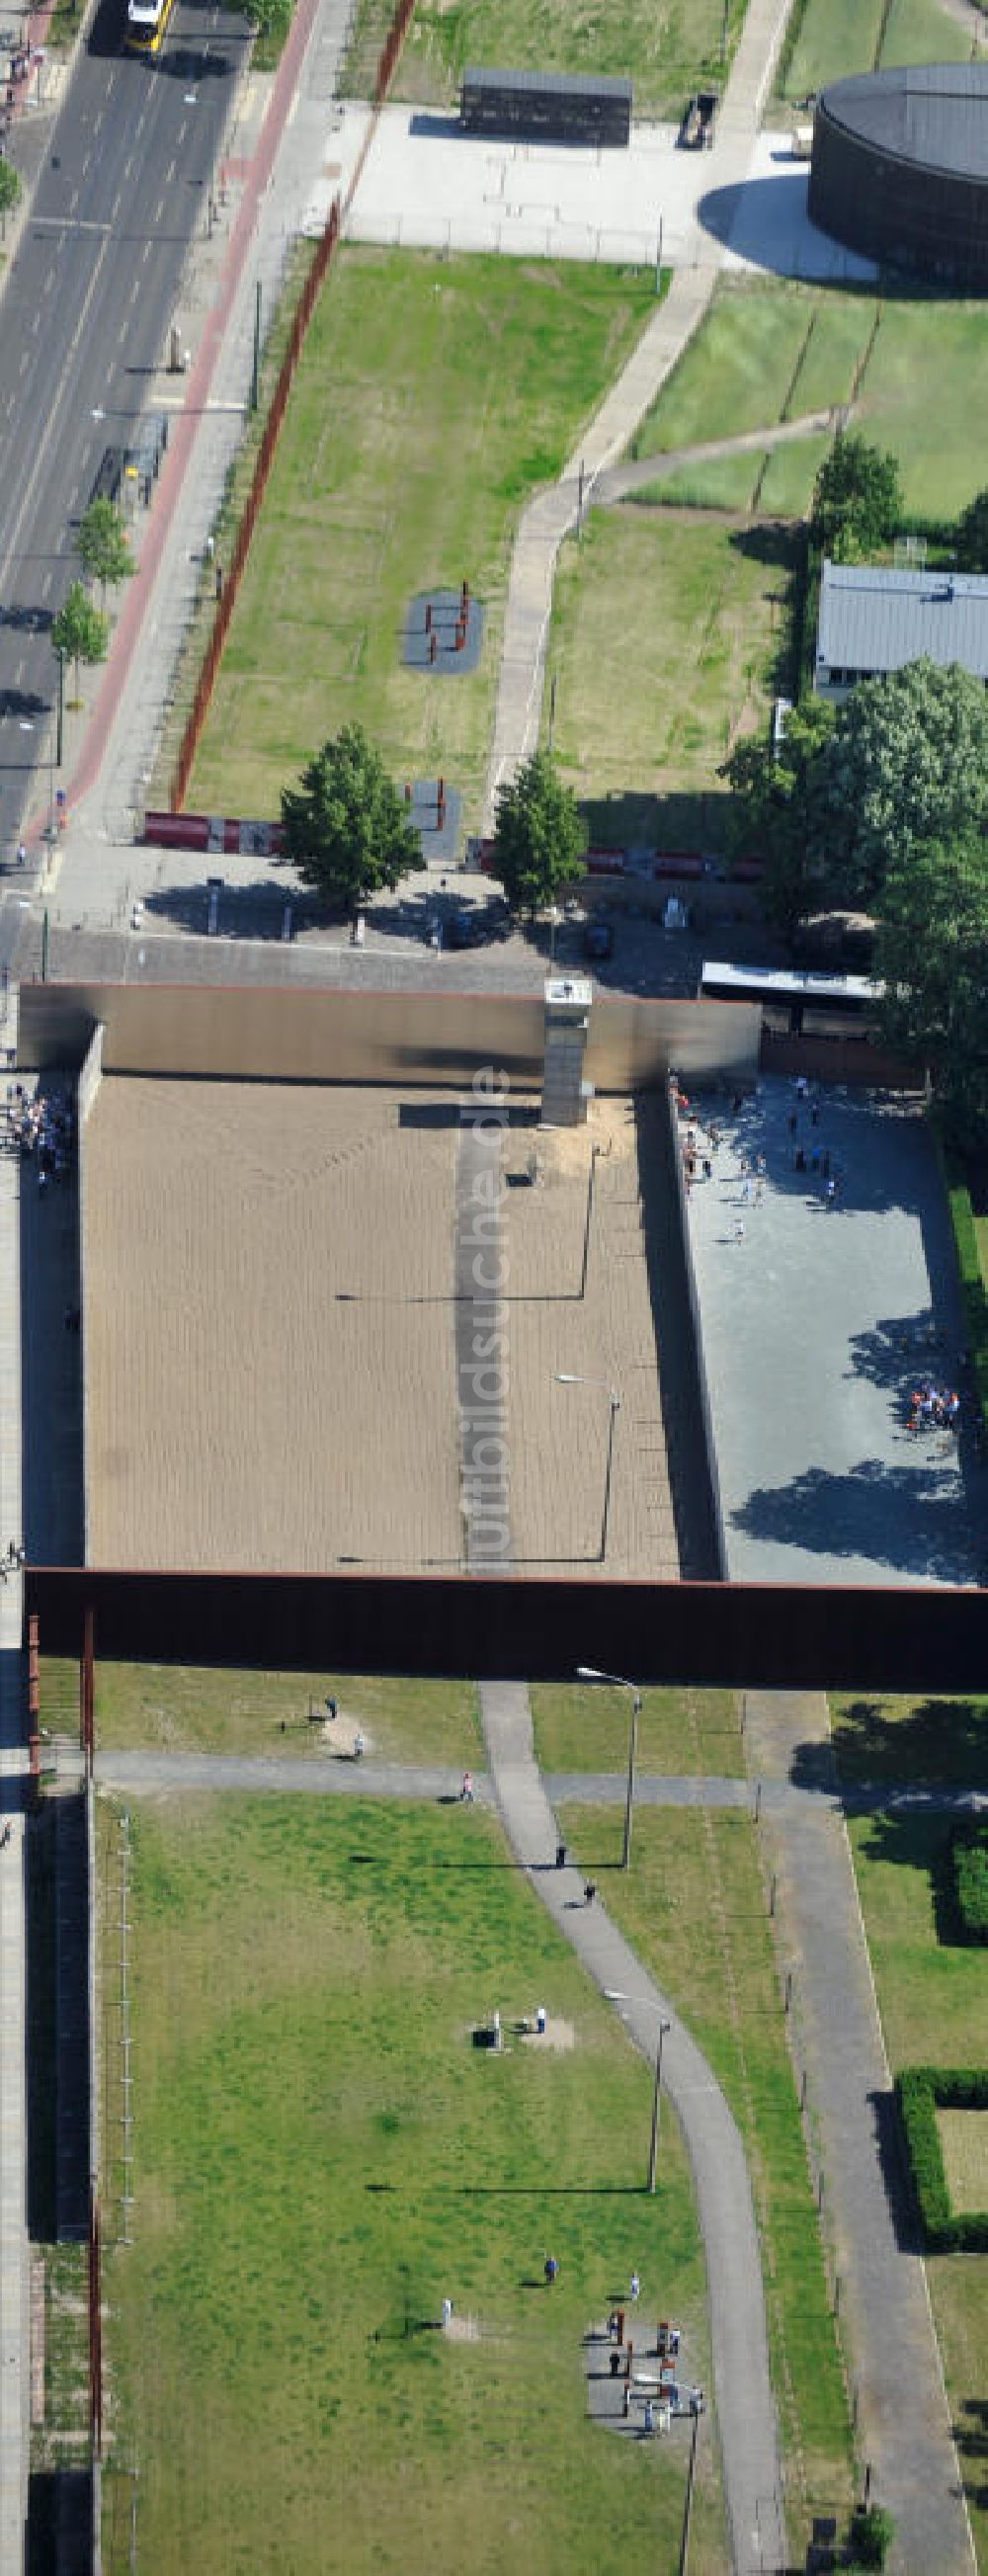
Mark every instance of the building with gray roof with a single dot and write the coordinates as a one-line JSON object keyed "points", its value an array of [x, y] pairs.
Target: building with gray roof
{"points": [[872, 621], [900, 169]]}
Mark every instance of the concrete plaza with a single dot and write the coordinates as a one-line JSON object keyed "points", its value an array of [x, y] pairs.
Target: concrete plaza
{"points": [[818, 1322]]}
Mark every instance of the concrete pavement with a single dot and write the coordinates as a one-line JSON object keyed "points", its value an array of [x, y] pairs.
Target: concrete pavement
{"points": [[745, 2410], [903, 2417]]}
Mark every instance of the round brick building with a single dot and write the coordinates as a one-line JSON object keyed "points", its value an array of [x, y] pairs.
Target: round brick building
{"points": [[900, 170]]}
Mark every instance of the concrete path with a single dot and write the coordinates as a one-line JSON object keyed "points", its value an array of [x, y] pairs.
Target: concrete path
{"points": [[743, 2397], [14, 2270], [903, 2417], [639, 473], [552, 514]]}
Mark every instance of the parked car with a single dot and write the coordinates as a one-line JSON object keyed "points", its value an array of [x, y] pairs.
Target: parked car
{"points": [[598, 939]]}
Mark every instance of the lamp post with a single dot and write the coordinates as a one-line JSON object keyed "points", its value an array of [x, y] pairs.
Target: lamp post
{"points": [[570, 1377], [644, 2002], [589, 1673]]}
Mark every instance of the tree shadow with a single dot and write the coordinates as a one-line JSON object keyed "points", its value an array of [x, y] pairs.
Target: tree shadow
{"points": [[895, 2173], [923, 1521], [941, 1742], [970, 2431], [775, 542]]}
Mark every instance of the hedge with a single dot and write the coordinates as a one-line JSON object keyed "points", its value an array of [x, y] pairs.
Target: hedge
{"points": [[973, 1289], [920, 2092], [969, 1876]]}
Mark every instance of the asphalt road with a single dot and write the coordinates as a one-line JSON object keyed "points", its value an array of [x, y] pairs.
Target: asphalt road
{"points": [[84, 321]]}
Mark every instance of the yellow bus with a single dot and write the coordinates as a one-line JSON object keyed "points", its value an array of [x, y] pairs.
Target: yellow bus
{"points": [[146, 23]]}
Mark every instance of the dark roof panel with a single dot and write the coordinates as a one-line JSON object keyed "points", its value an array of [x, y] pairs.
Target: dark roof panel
{"points": [[547, 84], [935, 114]]}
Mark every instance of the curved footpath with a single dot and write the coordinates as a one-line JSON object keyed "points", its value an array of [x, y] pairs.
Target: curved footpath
{"points": [[743, 2399], [549, 518]]}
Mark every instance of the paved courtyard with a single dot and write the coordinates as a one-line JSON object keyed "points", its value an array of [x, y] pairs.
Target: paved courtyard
{"points": [[818, 1322], [427, 186]]}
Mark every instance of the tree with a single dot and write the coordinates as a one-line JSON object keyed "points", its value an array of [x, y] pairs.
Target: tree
{"points": [[80, 632], [906, 761], [772, 808], [857, 502], [10, 190], [540, 837], [971, 535], [933, 955], [103, 546], [269, 19], [346, 829]]}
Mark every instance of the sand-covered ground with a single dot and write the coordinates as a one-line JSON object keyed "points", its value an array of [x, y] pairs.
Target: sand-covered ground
{"points": [[270, 1334]]}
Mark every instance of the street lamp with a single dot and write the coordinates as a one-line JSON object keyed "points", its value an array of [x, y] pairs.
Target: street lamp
{"points": [[645, 2002], [569, 1377], [589, 1673]]}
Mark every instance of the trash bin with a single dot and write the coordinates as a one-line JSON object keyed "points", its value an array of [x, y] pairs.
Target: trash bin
{"points": [[540, 2019], [560, 1855]]}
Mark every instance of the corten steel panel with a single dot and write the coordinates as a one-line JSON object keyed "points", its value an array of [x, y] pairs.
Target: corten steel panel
{"points": [[223, 1033], [745, 1636]]}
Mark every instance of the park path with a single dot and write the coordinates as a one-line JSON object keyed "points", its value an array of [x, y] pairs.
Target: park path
{"points": [[552, 513], [640, 472], [903, 2417], [742, 2390]]}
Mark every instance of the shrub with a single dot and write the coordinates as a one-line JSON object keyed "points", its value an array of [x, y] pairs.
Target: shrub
{"points": [[919, 2090], [969, 1872], [973, 1289], [872, 2531]]}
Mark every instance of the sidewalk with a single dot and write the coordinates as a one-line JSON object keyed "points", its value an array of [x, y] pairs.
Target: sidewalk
{"points": [[14, 2271], [552, 514], [745, 2410], [903, 2419]]}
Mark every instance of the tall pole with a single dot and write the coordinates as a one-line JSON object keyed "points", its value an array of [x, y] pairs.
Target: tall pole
{"points": [[629, 1803], [615, 1404], [658, 260], [61, 710], [255, 376], [688, 2507], [653, 2152], [594, 1151]]}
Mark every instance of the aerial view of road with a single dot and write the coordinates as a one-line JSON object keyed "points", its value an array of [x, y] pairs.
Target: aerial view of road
{"points": [[84, 323]]}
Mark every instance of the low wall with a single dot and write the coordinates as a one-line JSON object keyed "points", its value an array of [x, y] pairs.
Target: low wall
{"points": [[733, 1636], [276, 1034]]}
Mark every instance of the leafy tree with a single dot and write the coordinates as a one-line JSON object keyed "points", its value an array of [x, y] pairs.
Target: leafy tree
{"points": [[933, 954], [103, 546], [906, 761], [10, 190], [345, 826], [857, 501], [971, 535], [539, 837], [269, 19], [772, 808], [80, 632]]}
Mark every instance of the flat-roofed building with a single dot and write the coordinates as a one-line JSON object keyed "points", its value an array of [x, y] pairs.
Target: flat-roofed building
{"points": [[873, 620]]}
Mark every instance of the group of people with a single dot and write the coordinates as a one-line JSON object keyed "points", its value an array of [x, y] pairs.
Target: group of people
{"points": [[934, 1408], [41, 1126]]}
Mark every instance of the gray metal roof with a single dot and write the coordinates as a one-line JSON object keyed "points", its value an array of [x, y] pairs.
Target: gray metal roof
{"points": [[935, 114], [871, 620], [552, 84]]}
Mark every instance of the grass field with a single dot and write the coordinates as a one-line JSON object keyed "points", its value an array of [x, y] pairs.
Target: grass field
{"points": [[585, 1728], [321, 2156], [924, 1741], [432, 397], [665, 642], [933, 2001], [181, 1708], [667, 51], [694, 1906], [756, 359], [838, 37]]}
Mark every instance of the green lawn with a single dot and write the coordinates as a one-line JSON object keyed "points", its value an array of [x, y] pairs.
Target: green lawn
{"points": [[756, 359], [923, 1741], [933, 2001], [837, 37], [433, 396], [666, 637], [321, 2155], [583, 1727], [668, 52], [181, 1708], [694, 1905]]}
